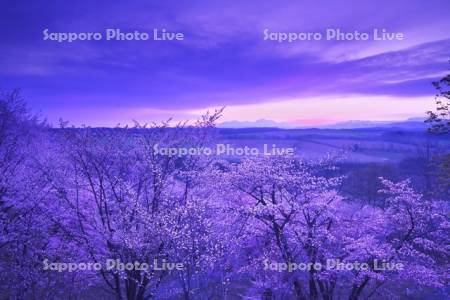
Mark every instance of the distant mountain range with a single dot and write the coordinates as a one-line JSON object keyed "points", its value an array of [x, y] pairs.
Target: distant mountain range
{"points": [[411, 123]]}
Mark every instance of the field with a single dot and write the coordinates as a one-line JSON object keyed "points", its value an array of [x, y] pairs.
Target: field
{"points": [[372, 145]]}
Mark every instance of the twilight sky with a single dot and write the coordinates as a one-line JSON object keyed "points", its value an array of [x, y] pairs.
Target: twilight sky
{"points": [[224, 60]]}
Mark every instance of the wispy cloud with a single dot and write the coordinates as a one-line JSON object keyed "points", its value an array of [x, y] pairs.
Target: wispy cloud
{"points": [[224, 59]]}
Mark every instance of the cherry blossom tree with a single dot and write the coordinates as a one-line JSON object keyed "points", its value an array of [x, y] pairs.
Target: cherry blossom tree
{"points": [[119, 199], [270, 227], [293, 215]]}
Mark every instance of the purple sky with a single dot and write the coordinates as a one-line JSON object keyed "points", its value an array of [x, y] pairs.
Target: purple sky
{"points": [[224, 60]]}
